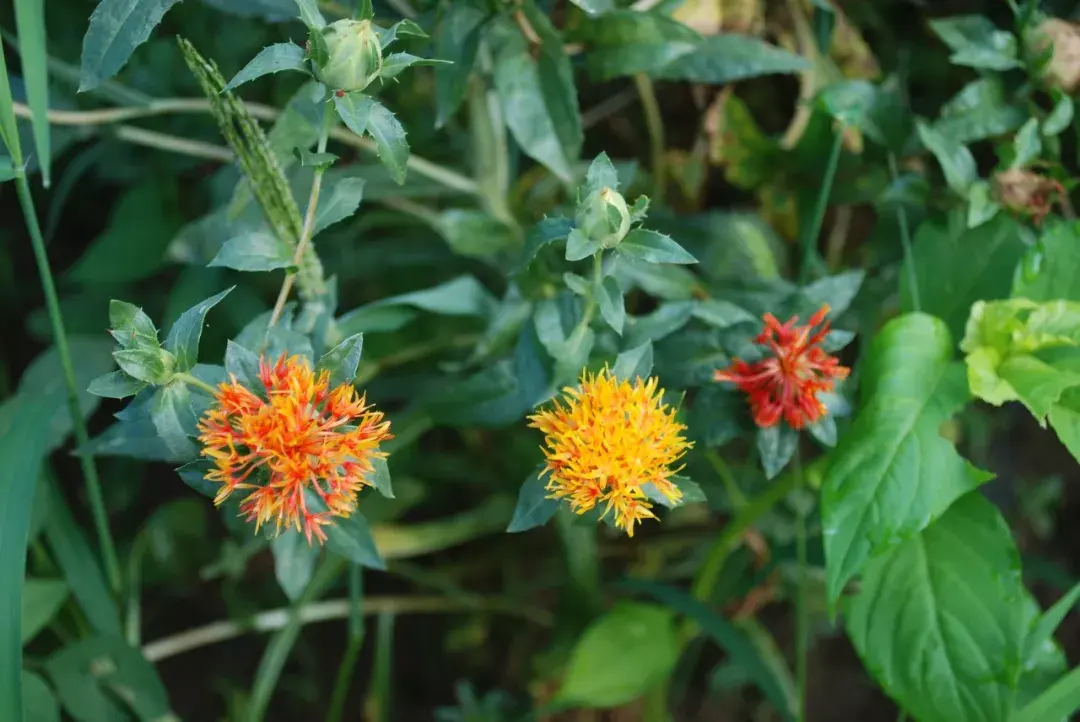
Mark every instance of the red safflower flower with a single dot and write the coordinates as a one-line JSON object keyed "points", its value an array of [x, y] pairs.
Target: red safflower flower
{"points": [[303, 436], [786, 384]]}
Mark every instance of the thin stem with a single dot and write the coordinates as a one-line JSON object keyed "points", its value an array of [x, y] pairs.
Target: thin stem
{"points": [[905, 240], [654, 123], [133, 619], [379, 698], [82, 438], [424, 213], [309, 224], [352, 647], [813, 229], [735, 494], [163, 141], [802, 621], [198, 383]]}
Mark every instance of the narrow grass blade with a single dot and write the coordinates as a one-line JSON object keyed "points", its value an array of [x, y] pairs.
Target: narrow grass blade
{"points": [[30, 24]]}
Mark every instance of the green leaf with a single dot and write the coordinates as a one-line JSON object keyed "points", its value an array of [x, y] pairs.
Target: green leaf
{"points": [[309, 13], [30, 25], [342, 360], [612, 308], [131, 327], [601, 175], [1042, 632], [1061, 701], [93, 675], [950, 598], [145, 364], [537, 94], [601, 674], [653, 247], [318, 161], [534, 508], [837, 292], [117, 27], [254, 251], [728, 57], [1027, 144], [1061, 117], [893, 473], [7, 169], [243, 364], [956, 160], [1051, 271], [457, 39], [39, 704], [349, 537], [956, 269], [634, 363], [271, 59], [183, 338], [984, 108], [776, 446], [41, 600], [115, 385], [461, 296], [664, 321], [380, 478], [579, 246], [174, 419], [389, 136], [395, 63], [595, 7], [475, 233], [1065, 419], [294, 562], [194, 474], [354, 109], [981, 204], [401, 27], [340, 203], [547, 231], [977, 43], [722, 314]]}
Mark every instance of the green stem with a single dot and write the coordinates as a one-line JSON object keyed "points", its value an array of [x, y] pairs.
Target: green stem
{"points": [[735, 494], [195, 381], [654, 123], [382, 674], [802, 621], [813, 229], [353, 647], [82, 438], [597, 276], [905, 240]]}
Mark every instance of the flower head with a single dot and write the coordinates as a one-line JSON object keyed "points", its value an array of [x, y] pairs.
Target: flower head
{"points": [[786, 383], [605, 441], [303, 438]]}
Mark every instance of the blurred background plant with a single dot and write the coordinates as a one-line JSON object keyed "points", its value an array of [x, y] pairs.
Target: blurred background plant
{"points": [[459, 206]]}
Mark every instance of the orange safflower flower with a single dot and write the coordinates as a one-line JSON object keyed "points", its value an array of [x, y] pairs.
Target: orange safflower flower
{"points": [[303, 436], [787, 383], [608, 441]]}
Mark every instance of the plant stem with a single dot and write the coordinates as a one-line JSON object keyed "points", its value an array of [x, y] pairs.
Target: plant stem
{"points": [[379, 699], [309, 224], [905, 240], [56, 320], [198, 383], [491, 154], [813, 229], [163, 141], [352, 647], [802, 622], [654, 123]]}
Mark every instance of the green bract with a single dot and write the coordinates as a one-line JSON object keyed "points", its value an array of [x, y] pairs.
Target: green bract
{"points": [[604, 217], [354, 55]]}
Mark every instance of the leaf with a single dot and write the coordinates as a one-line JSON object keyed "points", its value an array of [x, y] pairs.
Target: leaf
{"points": [[174, 419], [956, 269], [343, 200], [534, 508], [144, 364], [612, 308], [309, 13], [318, 161], [115, 385], [547, 231], [722, 314], [982, 109], [475, 233], [601, 175], [342, 360], [457, 39], [634, 363], [254, 251], [395, 63], [1061, 701], [530, 368], [538, 96], [892, 473], [579, 246], [461, 296], [1027, 144], [652, 247], [1042, 632], [7, 169], [1051, 271], [600, 673], [183, 338], [389, 136], [39, 704], [194, 474], [354, 109], [294, 562], [117, 27], [380, 478], [776, 446], [950, 597], [837, 292], [349, 537], [401, 27], [729, 57], [664, 321], [41, 600], [956, 160], [30, 25], [1061, 117], [271, 59], [976, 42], [595, 7]]}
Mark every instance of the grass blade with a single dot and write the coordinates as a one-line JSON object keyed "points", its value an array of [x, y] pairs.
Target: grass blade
{"points": [[1060, 701], [30, 24], [9, 130]]}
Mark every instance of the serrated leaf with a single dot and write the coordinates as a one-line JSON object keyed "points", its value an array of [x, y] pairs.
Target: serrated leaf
{"points": [[271, 59], [294, 562], [318, 161], [117, 27], [254, 251], [612, 306], [976, 42], [115, 385], [395, 63], [534, 508], [131, 326], [401, 27], [342, 201], [601, 175], [652, 247], [547, 231], [183, 338], [144, 364], [342, 360], [892, 473], [389, 136], [309, 13], [639, 210], [317, 49], [354, 109], [579, 246]]}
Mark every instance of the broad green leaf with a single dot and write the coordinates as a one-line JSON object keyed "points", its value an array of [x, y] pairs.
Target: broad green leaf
{"points": [[573, 355], [243, 364], [39, 704], [547, 231], [354, 109], [1042, 632], [402, 27], [115, 385], [977, 43], [722, 314], [194, 474], [254, 251], [601, 175], [294, 562], [939, 618], [474, 233], [30, 25], [274, 11], [984, 108], [776, 446], [147, 365], [537, 94], [602, 674], [7, 169], [183, 338], [534, 508], [41, 600], [837, 292], [955, 159], [1027, 144], [342, 360], [892, 473], [461, 296], [664, 321], [624, 42], [271, 59], [457, 40], [1061, 117], [610, 300], [728, 57], [395, 63], [380, 478], [1065, 419], [530, 368], [389, 136], [579, 246], [117, 27], [174, 419], [309, 13], [340, 201], [349, 537], [981, 204], [954, 270], [44, 380], [1051, 270], [634, 363], [653, 247]]}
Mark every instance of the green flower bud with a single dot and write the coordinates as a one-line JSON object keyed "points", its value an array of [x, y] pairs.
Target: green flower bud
{"points": [[355, 56], [604, 217]]}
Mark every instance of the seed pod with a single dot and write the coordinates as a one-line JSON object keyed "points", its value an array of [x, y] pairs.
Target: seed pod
{"points": [[354, 56], [604, 217]]}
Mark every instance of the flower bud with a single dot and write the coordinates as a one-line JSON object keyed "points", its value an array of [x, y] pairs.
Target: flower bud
{"points": [[1025, 192], [604, 217], [1063, 70], [355, 56]]}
